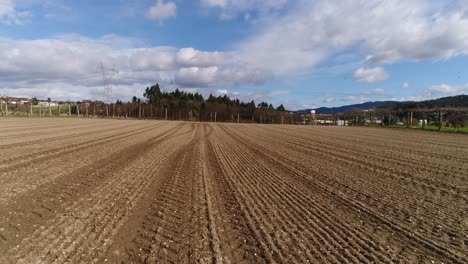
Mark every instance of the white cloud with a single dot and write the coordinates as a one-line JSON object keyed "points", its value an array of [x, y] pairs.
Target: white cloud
{"points": [[156, 58], [377, 91], [443, 88], [217, 75], [214, 3], [161, 11], [446, 90], [9, 14], [329, 99], [382, 31], [7, 8], [191, 57], [371, 75], [349, 98], [357, 99], [279, 92], [69, 63], [197, 76], [405, 85], [230, 9]]}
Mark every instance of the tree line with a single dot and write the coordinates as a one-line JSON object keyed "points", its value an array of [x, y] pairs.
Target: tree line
{"points": [[166, 105], [193, 106]]}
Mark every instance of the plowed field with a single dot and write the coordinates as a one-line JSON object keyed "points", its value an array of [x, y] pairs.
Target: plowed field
{"points": [[95, 191]]}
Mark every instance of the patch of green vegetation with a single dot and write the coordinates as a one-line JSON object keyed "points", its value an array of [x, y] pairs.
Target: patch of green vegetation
{"points": [[436, 128], [445, 129]]}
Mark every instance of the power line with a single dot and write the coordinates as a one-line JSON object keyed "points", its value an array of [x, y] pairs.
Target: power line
{"points": [[107, 75]]}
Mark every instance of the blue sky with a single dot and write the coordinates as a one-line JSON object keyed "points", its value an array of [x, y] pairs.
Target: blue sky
{"points": [[299, 53]]}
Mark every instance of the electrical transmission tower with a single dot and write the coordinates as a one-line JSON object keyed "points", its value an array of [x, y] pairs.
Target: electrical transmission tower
{"points": [[107, 75]]}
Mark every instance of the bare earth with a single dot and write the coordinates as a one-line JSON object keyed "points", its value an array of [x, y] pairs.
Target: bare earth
{"points": [[91, 191]]}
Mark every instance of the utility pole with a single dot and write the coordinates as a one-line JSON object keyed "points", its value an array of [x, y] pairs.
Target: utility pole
{"points": [[69, 109], [440, 119], [238, 119], [411, 118], [166, 113], [215, 116], [31, 108]]}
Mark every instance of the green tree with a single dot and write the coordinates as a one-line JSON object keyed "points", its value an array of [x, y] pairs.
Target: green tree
{"points": [[153, 94]]}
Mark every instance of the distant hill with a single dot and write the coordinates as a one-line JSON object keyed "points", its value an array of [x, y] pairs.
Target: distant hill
{"points": [[346, 108], [450, 101]]}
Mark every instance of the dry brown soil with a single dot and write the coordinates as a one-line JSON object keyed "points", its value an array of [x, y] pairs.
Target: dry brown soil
{"points": [[96, 191]]}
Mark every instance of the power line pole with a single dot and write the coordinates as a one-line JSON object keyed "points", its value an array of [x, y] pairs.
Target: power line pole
{"points": [[440, 120], [411, 118], [107, 76]]}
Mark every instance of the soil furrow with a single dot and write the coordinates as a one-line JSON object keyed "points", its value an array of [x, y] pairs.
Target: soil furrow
{"points": [[145, 191], [91, 226], [378, 217]]}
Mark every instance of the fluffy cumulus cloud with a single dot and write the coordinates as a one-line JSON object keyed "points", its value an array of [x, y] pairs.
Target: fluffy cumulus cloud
{"points": [[70, 63], [230, 9], [9, 14], [219, 75], [371, 75], [191, 57], [161, 11], [381, 31], [405, 85]]}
